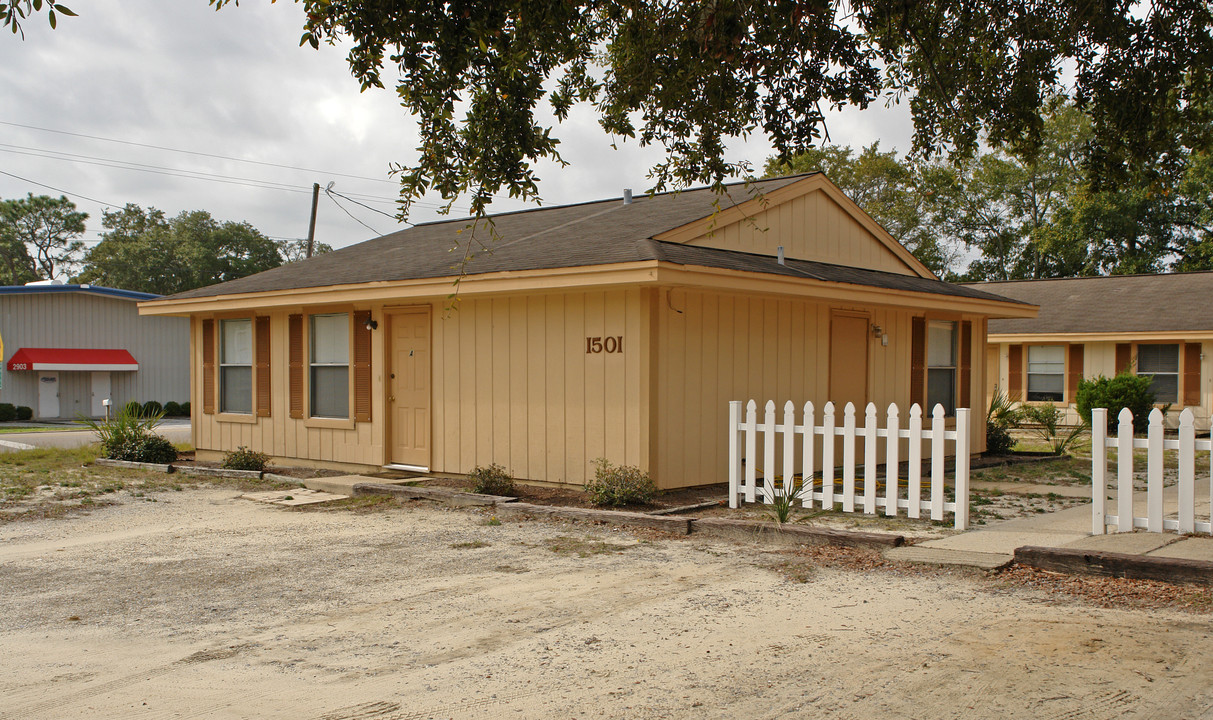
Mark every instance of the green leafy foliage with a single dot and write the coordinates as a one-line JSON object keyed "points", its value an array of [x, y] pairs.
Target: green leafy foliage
{"points": [[185, 408], [1045, 421], [1002, 415], [491, 480], [131, 436], [623, 485], [784, 500], [8, 412], [172, 409], [40, 233], [145, 251], [151, 407], [1126, 390], [133, 408], [243, 458], [24, 413]]}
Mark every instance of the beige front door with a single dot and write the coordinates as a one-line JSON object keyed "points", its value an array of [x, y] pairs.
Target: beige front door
{"points": [[409, 388], [848, 362]]}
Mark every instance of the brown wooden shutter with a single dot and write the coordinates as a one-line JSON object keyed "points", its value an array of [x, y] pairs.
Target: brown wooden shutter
{"points": [[966, 364], [362, 367], [1124, 357], [261, 362], [1192, 374], [1074, 370], [208, 367], [918, 360], [295, 362], [1015, 372]]}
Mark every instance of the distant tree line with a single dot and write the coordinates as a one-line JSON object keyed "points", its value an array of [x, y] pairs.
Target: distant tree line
{"points": [[139, 250], [1006, 215]]}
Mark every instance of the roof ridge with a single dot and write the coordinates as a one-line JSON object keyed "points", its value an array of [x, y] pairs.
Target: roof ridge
{"points": [[1088, 277]]}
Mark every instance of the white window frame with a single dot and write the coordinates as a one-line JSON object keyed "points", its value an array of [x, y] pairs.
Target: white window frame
{"points": [[312, 395], [224, 366], [949, 408], [1155, 374], [1029, 373]]}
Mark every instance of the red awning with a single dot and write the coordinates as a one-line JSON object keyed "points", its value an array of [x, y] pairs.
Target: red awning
{"points": [[71, 359]]}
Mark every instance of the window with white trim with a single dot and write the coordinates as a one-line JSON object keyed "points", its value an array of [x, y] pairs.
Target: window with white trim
{"points": [[329, 365], [236, 366], [1162, 363], [1046, 373], [941, 366]]}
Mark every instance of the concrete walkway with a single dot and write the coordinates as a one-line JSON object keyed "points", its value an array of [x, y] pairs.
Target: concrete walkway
{"points": [[71, 436], [993, 546]]}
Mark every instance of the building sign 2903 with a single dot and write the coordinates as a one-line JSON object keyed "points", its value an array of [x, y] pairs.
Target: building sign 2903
{"points": [[609, 344]]}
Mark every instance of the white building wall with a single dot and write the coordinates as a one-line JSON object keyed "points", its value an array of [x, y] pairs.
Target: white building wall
{"points": [[81, 320]]}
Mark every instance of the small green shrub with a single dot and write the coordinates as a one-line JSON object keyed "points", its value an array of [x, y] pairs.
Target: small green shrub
{"points": [[185, 408], [151, 407], [24, 413], [491, 480], [172, 409], [1126, 390], [623, 485], [785, 499], [1045, 421], [133, 408], [8, 412], [1002, 415], [244, 459], [131, 436]]}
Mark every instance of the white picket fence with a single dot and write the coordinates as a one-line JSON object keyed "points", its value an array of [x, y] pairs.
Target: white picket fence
{"points": [[744, 459], [1154, 444]]}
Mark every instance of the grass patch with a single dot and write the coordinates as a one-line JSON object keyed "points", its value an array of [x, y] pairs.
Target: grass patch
{"points": [[582, 547], [11, 430]]}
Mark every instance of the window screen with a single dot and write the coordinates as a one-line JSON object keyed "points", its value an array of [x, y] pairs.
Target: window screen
{"points": [[1046, 372], [236, 366], [330, 365], [1162, 362], [941, 367]]}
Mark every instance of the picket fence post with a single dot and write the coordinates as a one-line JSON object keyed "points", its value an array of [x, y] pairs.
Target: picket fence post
{"points": [[768, 453], [869, 460], [734, 452], [789, 449], [960, 515], [937, 431], [1187, 472], [1099, 466], [751, 431], [891, 464], [807, 498], [827, 458], [1124, 472], [914, 490], [848, 458], [1154, 439]]}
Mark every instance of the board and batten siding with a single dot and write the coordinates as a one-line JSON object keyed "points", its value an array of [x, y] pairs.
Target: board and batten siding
{"points": [[84, 320], [716, 347], [514, 384], [279, 435], [810, 227]]}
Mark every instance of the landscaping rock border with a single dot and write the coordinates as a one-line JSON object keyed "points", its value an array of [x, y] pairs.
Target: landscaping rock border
{"points": [[158, 467]]}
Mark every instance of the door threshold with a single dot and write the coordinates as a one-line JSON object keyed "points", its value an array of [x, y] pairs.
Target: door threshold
{"points": [[410, 468]]}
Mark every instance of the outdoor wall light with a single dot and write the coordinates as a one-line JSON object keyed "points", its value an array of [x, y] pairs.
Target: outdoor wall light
{"points": [[876, 331], [371, 324]]}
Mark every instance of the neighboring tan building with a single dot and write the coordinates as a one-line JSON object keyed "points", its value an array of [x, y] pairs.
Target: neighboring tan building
{"points": [[1093, 326], [616, 329], [67, 348]]}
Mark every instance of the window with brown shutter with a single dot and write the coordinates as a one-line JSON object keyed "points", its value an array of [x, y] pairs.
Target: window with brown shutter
{"points": [[208, 366], [966, 364], [1192, 353], [1015, 372], [295, 363], [1074, 370], [918, 360], [1124, 357], [261, 360], [362, 367]]}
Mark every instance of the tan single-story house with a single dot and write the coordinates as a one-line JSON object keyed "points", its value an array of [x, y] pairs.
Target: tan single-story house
{"points": [[1092, 326], [618, 329]]}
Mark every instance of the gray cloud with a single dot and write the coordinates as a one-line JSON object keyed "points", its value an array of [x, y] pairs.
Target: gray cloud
{"points": [[235, 83]]}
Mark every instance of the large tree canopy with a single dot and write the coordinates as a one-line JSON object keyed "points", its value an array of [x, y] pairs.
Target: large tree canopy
{"points": [[142, 250], [689, 75], [42, 229]]}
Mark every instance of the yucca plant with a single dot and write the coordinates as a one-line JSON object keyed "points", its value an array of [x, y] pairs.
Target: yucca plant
{"points": [[784, 499]]}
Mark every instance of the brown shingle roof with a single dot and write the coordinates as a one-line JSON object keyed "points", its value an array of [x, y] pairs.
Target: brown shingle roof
{"points": [[594, 233], [1117, 303]]}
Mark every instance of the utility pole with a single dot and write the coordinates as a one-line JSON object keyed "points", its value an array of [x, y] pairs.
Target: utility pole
{"points": [[311, 228]]}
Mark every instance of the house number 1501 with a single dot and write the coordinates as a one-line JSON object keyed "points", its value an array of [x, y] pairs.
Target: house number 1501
{"points": [[595, 345]]}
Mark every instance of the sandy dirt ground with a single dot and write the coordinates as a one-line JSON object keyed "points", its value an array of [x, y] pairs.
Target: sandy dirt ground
{"points": [[202, 605]]}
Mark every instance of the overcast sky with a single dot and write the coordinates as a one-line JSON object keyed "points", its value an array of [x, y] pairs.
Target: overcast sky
{"points": [[235, 83]]}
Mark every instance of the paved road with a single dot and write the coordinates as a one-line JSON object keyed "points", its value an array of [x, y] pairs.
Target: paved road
{"points": [[175, 431]]}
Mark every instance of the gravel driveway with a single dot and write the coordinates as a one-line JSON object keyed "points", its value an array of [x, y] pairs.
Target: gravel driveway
{"points": [[199, 604]]}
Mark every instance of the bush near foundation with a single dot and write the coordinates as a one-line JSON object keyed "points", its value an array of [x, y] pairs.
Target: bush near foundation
{"points": [[623, 485], [1126, 390], [491, 480], [8, 412], [133, 408], [24, 413], [244, 459], [172, 409], [131, 436], [151, 407], [185, 408]]}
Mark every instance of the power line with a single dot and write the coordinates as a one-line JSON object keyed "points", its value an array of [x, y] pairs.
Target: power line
{"points": [[330, 191], [60, 190], [352, 216]]}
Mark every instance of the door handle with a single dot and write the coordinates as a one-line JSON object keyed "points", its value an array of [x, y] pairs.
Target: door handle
{"points": [[391, 398]]}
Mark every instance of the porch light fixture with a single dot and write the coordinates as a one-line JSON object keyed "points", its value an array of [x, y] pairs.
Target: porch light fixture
{"points": [[371, 324]]}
